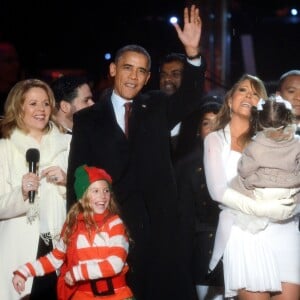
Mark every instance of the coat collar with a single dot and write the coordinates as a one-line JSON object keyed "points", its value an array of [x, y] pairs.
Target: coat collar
{"points": [[52, 143]]}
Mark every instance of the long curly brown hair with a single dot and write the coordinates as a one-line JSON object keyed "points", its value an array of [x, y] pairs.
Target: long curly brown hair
{"points": [[83, 207], [224, 115]]}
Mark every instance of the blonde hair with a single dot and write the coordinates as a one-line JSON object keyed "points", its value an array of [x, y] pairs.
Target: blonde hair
{"points": [[83, 207], [13, 108]]}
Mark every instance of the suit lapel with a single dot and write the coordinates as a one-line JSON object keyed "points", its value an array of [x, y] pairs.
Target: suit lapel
{"points": [[107, 122], [139, 112]]}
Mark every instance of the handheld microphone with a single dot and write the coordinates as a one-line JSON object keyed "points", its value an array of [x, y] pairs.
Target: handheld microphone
{"points": [[32, 157]]}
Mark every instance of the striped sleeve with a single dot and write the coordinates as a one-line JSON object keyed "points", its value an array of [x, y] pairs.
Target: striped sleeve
{"points": [[107, 255], [45, 264]]}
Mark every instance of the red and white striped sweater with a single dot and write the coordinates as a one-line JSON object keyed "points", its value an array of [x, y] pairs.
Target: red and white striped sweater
{"points": [[101, 254]]}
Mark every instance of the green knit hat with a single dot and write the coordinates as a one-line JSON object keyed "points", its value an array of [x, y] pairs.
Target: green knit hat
{"points": [[84, 176]]}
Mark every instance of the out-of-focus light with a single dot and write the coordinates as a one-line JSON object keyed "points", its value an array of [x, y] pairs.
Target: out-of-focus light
{"points": [[173, 20], [56, 74], [282, 12], [294, 12], [107, 56]]}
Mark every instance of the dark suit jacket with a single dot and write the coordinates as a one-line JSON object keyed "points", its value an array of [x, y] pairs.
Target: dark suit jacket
{"points": [[142, 173], [199, 216], [185, 141]]}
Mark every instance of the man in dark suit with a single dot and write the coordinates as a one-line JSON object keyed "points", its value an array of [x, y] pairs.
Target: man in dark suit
{"points": [[140, 165], [184, 134], [199, 214]]}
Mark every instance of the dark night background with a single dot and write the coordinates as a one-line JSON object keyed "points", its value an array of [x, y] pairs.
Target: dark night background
{"points": [[76, 34]]}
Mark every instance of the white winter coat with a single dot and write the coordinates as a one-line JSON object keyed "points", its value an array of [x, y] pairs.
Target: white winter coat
{"points": [[19, 238]]}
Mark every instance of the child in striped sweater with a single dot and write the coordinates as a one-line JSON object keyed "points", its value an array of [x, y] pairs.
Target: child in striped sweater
{"points": [[92, 251]]}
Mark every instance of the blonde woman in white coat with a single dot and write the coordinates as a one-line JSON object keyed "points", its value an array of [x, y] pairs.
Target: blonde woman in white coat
{"points": [[28, 230]]}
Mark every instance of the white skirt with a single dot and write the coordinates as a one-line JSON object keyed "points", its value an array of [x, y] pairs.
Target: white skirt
{"points": [[261, 261]]}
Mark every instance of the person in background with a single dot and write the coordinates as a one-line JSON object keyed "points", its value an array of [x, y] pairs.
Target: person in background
{"points": [[10, 70], [289, 89], [92, 251], [249, 260], [140, 162], [71, 93], [197, 212], [170, 72], [184, 134], [28, 230]]}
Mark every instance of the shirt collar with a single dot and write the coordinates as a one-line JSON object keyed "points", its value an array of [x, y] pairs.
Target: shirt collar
{"points": [[118, 101]]}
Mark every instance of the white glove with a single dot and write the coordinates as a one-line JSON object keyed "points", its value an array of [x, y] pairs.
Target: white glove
{"points": [[276, 209]]}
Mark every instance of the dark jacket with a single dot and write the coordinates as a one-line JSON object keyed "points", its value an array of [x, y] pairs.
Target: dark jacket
{"points": [[198, 216], [143, 178]]}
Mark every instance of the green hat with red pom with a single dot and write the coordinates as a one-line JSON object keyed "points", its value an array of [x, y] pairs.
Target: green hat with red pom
{"points": [[85, 175]]}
